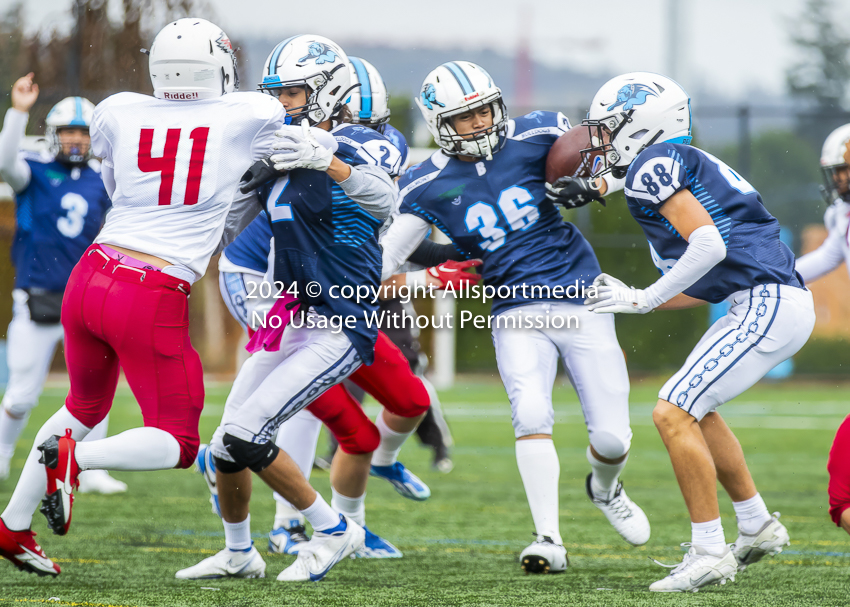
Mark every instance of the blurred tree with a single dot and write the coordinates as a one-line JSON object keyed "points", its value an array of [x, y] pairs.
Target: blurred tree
{"points": [[96, 58], [822, 77]]}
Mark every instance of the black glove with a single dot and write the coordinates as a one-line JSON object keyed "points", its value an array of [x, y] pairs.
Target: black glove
{"points": [[260, 173], [573, 192]]}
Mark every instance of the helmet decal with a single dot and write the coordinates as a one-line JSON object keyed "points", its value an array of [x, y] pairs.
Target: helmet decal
{"points": [[631, 95], [223, 43], [319, 52], [429, 96]]}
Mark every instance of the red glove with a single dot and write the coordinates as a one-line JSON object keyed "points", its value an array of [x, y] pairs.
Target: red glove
{"points": [[453, 273]]}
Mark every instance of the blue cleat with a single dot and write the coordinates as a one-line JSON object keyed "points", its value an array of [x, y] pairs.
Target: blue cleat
{"points": [[206, 467], [287, 541], [376, 547], [405, 482]]}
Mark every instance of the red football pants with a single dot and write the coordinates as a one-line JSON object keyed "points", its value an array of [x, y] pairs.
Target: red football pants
{"points": [[393, 384], [839, 472], [114, 314]]}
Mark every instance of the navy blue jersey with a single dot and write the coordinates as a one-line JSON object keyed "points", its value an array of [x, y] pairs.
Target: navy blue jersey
{"points": [[497, 210], [754, 253], [322, 236], [251, 248], [398, 140], [58, 216]]}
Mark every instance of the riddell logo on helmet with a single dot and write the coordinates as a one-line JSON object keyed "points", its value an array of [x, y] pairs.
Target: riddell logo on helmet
{"points": [[472, 96], [180, 96]]}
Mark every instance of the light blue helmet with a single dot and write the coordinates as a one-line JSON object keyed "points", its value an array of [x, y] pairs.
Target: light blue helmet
{"points": [[369, 102], [71, 112], [314, 62]]}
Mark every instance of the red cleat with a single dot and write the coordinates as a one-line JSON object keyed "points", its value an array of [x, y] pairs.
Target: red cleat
{"points": [[21, 548], [57, 455]]}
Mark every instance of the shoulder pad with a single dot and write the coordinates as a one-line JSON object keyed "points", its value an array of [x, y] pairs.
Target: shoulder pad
{"points": [[420, 174], [655, 175], [538, 123], [363, 145], [39, 157]]}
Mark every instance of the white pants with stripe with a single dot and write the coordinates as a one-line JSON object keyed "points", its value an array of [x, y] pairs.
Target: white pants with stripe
{"points": [[765, 326], [30, 348], [273, 386], [528, 361]]}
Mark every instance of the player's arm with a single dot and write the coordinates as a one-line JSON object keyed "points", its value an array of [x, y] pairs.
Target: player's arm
{"points": [[371, 188], [681, 302], [13, 169], [402, 238], [824, 259], [243, 210], [430, 253], [705, 250]]}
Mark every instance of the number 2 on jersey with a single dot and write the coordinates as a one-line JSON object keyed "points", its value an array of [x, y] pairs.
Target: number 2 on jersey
{"points": [[166, 163]]}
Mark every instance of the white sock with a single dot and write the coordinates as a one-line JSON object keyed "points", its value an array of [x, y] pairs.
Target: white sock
{"points": [[752, 514], [320, 515], [99, 431], [298, 436], [136, 449], [10, 432], [391, 441], [540, 470], [33, 482], [352, 507], [237, 536], [709, 536], [286, 515], [603, 481]]}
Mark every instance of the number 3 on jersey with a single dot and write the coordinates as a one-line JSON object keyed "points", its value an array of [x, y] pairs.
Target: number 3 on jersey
{"points": [[166, 164], [514, 204]]}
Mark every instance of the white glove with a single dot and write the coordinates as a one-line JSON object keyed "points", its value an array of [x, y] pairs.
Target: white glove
{"points": [[603, 280], [298, 148], [614, 296]]}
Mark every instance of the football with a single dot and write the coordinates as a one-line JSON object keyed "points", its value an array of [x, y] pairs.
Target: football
{"points": [[565, 158]]}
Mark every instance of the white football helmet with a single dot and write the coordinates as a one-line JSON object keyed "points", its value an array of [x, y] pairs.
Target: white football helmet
{"points": [[71, 112], [313, 62], [833, 163], [369, 102], [192, 59], [454, 88], [633, 111]]}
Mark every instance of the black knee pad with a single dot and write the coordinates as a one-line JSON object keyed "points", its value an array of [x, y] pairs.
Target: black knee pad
{"points": [[256, 456], [227, 466]]}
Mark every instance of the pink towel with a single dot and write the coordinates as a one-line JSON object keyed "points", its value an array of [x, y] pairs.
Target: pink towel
{"points": [[268, 337]]}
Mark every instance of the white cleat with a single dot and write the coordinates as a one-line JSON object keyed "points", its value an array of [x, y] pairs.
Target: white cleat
{"points": [[770, 539], [323, 551], [624, 515], [544, 556], [698, 569], [99, 481], [227, 563]]}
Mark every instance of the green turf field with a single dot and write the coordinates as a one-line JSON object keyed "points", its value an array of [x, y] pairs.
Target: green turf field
{"points": [[461, 546]]}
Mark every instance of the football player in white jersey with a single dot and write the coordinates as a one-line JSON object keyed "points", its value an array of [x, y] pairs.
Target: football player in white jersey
{"points": [[60, 206], [835, 163], [172, 165]]}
